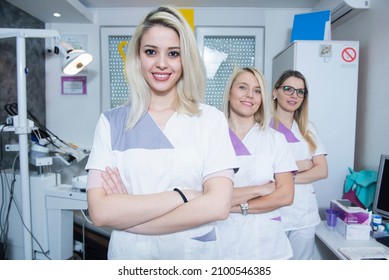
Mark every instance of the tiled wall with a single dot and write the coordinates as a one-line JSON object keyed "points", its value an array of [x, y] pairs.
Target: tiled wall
{"points": [[13, 17]]}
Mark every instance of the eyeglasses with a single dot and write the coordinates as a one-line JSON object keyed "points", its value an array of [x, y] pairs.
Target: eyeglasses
{"points": [[288, 90]]}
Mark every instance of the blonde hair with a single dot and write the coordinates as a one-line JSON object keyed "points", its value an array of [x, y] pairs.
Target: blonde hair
{"points": [[301, 114], [261, 115], [191, 85]]}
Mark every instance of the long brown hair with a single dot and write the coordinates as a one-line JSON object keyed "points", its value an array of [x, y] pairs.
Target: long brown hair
{"points": [[301, 114]]}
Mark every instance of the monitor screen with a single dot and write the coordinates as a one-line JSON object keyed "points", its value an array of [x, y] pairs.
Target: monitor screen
{"points": [[381, 198]]}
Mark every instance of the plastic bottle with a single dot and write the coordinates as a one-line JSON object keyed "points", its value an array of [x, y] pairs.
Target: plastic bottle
{"points": [[381, 228], [377, 220]]}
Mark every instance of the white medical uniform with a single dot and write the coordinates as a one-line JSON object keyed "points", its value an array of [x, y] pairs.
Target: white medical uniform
{"points": [[151, 160], [304, 212], [261, 154]]}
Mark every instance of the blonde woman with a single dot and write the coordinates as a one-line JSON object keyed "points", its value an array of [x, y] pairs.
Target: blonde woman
{"points": [[161, 166], [264, 182], [290, 105]]}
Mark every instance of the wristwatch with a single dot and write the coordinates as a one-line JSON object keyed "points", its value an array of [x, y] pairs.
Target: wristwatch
{"points": [[245, 208]]}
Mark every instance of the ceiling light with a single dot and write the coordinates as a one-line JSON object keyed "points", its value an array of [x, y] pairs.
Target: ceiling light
{"points": [[57, 14]]}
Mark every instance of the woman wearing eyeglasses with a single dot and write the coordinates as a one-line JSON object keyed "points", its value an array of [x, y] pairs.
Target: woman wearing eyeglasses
{"points": [[290, 109]]}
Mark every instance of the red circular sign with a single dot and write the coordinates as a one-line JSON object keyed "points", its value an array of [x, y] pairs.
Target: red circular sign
{"points": [[349, 54]]}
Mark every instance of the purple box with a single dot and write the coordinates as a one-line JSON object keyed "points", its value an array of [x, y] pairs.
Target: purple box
{"points": [[350, 214]]}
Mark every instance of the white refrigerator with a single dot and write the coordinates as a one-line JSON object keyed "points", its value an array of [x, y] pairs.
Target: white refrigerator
{"points": [[331, 70]]}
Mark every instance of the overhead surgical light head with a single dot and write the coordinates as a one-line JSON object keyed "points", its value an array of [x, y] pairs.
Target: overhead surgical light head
{"points": [[74, 60]]}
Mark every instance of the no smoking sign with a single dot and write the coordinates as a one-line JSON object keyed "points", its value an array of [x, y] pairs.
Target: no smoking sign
{"points": [[349, 54]]}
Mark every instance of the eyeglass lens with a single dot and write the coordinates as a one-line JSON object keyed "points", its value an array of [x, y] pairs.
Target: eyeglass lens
{"points": [[290, 90]]}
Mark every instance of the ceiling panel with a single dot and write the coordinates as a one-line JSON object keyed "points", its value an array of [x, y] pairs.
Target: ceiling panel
{"points": [[78, 11], [72, 11]]}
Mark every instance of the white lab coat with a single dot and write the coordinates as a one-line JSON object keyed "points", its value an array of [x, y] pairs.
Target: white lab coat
{"points": [[304, 211], [258, 236], [151, 160]]}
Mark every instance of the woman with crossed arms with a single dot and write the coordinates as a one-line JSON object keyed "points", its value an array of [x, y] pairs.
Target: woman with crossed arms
{"points": [[290, 107], [264, 182], [161, 167]]}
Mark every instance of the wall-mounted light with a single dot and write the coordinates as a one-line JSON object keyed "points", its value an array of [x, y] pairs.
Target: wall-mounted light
{"points": [[74, 60]]}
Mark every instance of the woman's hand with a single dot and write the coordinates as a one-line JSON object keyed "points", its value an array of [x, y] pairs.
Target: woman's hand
{"points": [[112, 182], [318, 170], [267, 189], [108, 196], [243, 194], [304, 165]]}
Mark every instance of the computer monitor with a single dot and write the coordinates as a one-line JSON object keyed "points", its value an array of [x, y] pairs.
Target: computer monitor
{"points": [[381, 198]]}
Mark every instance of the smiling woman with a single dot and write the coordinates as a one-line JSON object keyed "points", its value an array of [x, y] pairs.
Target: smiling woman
{"points": [[264, 182], [172, 212], [161, 61], [290, 106]]}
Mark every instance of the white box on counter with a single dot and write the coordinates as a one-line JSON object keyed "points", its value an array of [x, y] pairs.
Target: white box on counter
{"points": [[353, 231]]}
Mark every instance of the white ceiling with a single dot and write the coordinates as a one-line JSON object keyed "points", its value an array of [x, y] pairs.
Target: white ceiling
{"points": [[78, 11]]}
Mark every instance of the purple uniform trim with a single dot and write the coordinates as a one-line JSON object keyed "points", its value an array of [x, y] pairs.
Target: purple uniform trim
{"points": [[144, 135], [276, 219], [290, 138], [210, 236], [239, 147]]}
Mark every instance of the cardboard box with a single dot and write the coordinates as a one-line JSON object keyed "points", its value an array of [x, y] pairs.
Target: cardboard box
{"points": [[351, 214], [353, 231]]}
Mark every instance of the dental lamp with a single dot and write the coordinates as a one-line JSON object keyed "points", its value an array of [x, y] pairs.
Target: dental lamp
{"points": [[75, 62]]}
